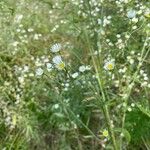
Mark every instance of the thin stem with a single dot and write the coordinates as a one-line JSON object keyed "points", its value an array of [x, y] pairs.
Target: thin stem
{"points": [[105, 108], [133, 80]]}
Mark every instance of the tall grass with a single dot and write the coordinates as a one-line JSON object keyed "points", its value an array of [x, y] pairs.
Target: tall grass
{"points": [[74, 75]]}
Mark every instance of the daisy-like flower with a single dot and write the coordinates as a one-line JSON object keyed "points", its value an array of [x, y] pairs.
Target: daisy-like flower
{"points": [[109, 65], [49, 66], [105, 133], [57, 60], [39, 72], [55, 48], [131, 14]]}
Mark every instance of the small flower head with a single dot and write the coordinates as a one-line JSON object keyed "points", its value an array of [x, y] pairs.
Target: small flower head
{"points": [[56, 48], [105, 133], [57, 60], [75, 75], [131, 14], [39, 71], [109, 65], [82, 68], [49, 66], [60, 66], [56, 106], [88, 67]]}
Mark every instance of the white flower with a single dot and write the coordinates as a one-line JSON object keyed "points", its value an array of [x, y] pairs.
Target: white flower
{"points": [[26, 68], [143, 84], [21, 79], [134, 27], [56, 106], [18, 18], [131, 61], [57, 60], [39, 71], [141, 72], [146, 78], [30, 30], [75, 75], [49, 66], [109, 65], [129, 109], [82, 68], [15, 43], [56, 48], [135, 20], [131, 14], [88, 67], [36, 37], [133, 105], [99, 21], [65, 89], [67, 85]]}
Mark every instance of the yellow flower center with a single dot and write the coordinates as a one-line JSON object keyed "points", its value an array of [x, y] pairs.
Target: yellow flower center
{"points": [[105, 133], [110, 66], [61, 66]]}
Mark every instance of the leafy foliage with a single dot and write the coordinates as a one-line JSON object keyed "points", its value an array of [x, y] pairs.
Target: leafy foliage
{"points": [[72, 69]]}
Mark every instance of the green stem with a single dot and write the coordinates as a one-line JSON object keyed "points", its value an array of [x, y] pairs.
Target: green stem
{"points": [[105, 108], [106, 114], [133, 81], [111, 132]]}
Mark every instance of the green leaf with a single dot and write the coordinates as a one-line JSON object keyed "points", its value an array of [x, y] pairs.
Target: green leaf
{"points": [[144, 110], [125, 133]]}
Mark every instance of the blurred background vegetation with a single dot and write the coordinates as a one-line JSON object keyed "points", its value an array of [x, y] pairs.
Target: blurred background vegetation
{"points": [[41, 113]]}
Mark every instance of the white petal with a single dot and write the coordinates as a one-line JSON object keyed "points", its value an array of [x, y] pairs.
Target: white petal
{"points": [[56, 48], [49, 66], [39, 71], [131, 14], [57, 59]]}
